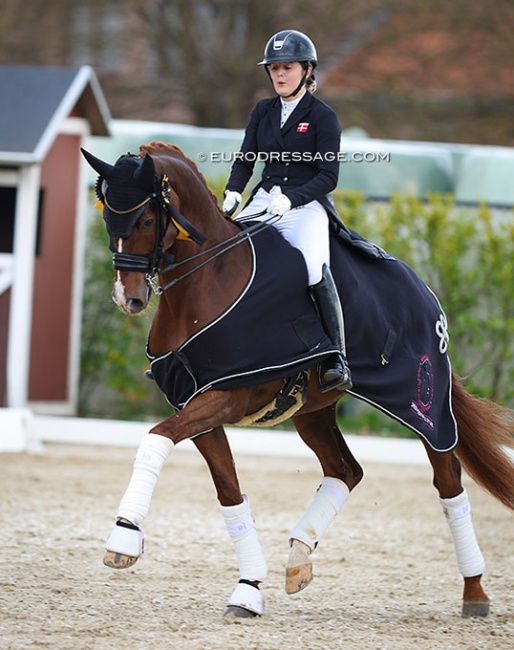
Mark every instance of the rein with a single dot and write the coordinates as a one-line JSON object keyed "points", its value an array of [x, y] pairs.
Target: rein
{"points": [[227, 245], [150, 265]]}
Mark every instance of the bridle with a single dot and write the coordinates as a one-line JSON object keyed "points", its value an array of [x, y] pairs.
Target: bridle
{"points": [[166, 214], [159, 261]]}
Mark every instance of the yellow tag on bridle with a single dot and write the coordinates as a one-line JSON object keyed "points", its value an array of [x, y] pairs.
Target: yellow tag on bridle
{"points": [[183, 235]]}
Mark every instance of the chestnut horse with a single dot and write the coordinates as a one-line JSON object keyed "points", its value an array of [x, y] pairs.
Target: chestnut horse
{"points": [[168, 234]]}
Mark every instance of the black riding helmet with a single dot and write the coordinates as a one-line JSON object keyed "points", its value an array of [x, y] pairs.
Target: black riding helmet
{"points": [[288, 46]]}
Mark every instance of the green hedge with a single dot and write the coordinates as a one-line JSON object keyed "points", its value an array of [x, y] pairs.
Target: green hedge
{"points": [[465, 255]]}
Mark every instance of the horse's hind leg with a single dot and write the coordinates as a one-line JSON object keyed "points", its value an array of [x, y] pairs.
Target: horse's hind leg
{"points": [[247, 600], [341, 473], [455, 503]]}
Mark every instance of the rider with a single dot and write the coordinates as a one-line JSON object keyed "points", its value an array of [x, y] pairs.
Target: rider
{"points": [[298, 137]]}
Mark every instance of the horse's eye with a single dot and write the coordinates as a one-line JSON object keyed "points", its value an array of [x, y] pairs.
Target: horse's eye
{"points": [[146, 224]]}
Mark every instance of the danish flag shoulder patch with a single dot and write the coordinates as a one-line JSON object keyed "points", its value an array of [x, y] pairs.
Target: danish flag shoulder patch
{"points": [[302, 127]]}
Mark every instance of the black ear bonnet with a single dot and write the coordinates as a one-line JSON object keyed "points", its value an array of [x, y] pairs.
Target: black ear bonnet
{"points": [[125, 189]]}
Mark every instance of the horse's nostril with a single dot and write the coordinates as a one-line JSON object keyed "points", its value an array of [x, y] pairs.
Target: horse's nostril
{"points": [[135, 305]]}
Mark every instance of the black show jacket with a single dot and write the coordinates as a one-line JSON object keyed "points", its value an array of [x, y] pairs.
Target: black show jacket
{"points": [[301, 157]]}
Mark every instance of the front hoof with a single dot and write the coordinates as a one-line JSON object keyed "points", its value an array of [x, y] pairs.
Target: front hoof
{"points": [[298, 567], [118, 560], [475, 608], [124, 546], [234, 612]]}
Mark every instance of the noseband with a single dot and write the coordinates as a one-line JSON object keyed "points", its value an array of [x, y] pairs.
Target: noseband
{"points": [[166, 214]]}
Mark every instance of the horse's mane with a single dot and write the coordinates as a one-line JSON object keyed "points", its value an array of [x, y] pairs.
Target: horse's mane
{"points": [[176, 153]]}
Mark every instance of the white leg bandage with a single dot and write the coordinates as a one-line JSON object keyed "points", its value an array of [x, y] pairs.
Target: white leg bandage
{"points": [[326, 504], [242, 532], [457, 511], [151, 456]]}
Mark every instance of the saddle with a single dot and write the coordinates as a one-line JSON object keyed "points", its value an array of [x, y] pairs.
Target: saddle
{"points": [[341, 231]]}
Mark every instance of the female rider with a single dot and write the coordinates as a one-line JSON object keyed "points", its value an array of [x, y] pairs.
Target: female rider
{"points": [[298, 137]]}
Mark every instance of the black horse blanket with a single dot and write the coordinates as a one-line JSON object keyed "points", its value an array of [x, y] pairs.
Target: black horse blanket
{"points": [[396, 335]]}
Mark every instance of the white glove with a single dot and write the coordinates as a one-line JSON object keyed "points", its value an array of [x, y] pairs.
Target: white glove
{"points": [[279, 203], [231, 203]]}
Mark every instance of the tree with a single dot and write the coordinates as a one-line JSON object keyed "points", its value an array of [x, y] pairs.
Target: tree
{"points": [[205, 50]]}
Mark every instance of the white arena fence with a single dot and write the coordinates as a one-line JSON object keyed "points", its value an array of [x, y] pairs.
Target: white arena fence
{"points": [[23, 431]]}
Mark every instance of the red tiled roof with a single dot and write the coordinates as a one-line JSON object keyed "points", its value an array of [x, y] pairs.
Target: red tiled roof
{"points": [[432, 57]]}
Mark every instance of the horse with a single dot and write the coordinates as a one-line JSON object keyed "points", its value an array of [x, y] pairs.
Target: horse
{"points": [[170, 238]]}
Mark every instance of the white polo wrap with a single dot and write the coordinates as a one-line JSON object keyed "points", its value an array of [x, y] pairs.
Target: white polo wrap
{"points": [[326, 504], [151, 456], [457, 511], [241, 529]]}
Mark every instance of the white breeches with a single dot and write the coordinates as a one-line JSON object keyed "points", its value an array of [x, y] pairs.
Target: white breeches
{"points": [[305, 228]]}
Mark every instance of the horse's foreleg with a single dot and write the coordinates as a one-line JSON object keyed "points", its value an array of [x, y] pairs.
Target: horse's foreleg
{"points": [[342, 473], [457, 510], [247, 599], [125, 544]]}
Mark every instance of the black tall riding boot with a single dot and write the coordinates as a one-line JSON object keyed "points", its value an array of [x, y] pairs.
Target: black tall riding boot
{"points": [[335, 370]]}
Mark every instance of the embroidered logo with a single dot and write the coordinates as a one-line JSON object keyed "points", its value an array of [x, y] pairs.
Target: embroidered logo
{"points": [[441, 329], [302, 127], [425, 389]]}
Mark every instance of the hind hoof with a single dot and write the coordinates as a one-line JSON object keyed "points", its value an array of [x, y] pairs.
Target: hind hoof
{"points": [[298, 577], [298, 567], [475, 608]]}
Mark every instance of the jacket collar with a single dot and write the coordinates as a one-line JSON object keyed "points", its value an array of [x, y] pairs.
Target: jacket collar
{"points": [[303, 106]]}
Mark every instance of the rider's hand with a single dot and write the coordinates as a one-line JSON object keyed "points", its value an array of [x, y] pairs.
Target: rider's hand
{"points": [[279, 203], [231, 203]]}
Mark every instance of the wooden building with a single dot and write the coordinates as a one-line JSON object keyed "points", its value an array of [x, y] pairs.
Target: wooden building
{"points": [[45, 115]]}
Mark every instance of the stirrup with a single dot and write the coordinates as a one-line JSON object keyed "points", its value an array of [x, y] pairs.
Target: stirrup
{"points": [[337, 375]]}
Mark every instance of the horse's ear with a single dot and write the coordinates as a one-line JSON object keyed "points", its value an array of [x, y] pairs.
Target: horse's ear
{"points": [[101, 167], [145, 174]]}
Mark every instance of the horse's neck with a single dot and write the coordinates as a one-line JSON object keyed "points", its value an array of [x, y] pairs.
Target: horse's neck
{"points": [[196, 300]]}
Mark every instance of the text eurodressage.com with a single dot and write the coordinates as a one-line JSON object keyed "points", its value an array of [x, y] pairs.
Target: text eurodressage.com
{"points": [[294, 156]]}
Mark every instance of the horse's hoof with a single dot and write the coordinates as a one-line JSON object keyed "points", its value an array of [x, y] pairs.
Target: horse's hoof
{"points": [[235, 612], [124, 546], [246, 601], [475, 608], [298, 567], [298, 577], [118, 560]]}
